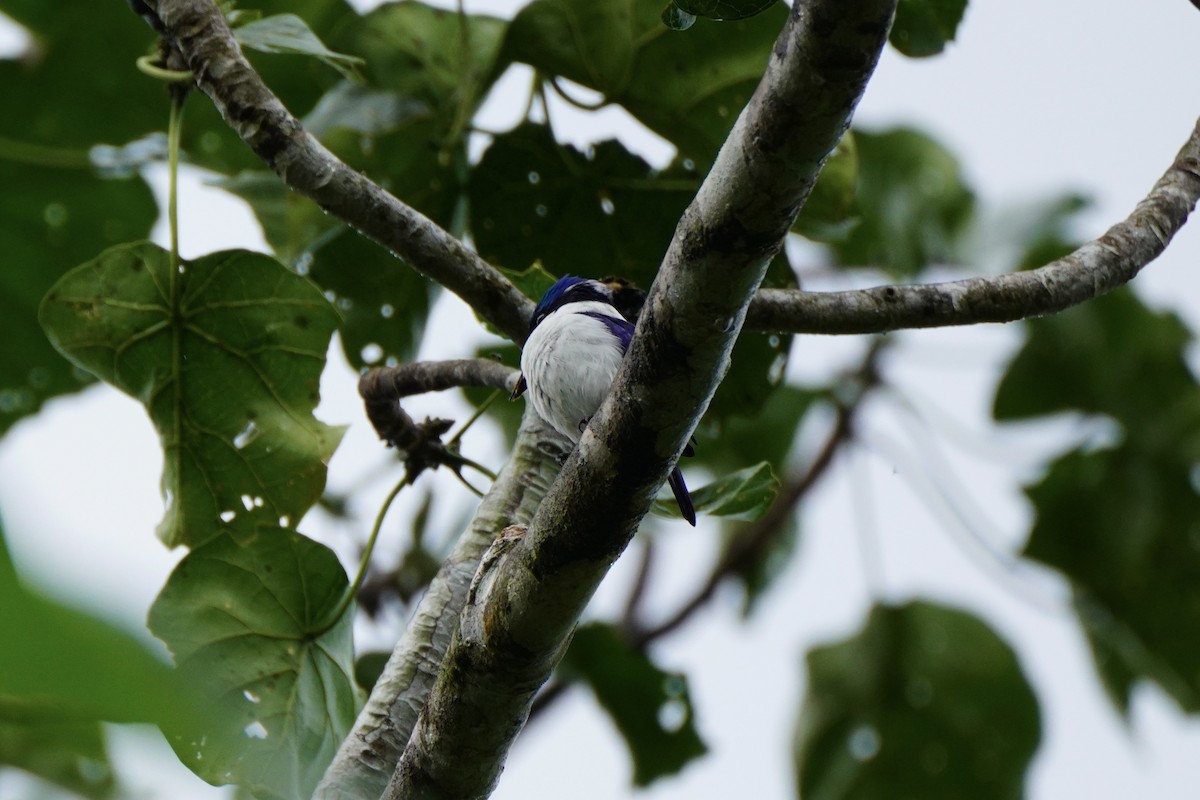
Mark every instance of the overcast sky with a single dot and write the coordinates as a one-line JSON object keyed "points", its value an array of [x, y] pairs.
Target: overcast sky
{"points": [[1036, 98]]}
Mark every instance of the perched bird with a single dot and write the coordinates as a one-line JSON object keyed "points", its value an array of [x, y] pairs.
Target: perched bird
{"points": [[576, 341]]}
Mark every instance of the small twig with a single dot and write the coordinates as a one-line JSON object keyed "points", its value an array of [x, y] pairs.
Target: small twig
{"points": [[629, 619]]}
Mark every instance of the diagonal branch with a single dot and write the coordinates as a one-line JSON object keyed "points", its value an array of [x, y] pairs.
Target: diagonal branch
{"points": [[198, 30], [518, 625], [1097, 267]]}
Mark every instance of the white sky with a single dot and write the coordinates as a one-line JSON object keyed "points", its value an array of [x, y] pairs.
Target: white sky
{"points": [[1036, 97]]}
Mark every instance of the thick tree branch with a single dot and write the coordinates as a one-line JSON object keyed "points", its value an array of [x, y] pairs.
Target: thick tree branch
{"points": [[198, 30], [517, 628], [367, 757], [1097, 267]]}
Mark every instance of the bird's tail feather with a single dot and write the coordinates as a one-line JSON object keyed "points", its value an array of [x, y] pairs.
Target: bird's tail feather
{"points": [[680, 490]]}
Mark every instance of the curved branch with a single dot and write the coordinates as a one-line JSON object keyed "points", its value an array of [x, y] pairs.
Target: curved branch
{"points": [[198, 30], [1097, 267], [516, 629]]}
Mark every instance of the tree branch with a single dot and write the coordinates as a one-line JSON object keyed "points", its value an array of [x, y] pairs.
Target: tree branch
{"points": [[1097, 267], [518, 626], [199, 31], [367, 757]]}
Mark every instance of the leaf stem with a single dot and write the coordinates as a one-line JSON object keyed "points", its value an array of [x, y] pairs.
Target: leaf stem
{"points": [[365, 561], [174, 128]]}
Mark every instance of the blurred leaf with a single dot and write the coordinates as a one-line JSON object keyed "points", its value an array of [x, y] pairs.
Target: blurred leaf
{"points": [[362, 110], [533, 281], [914, 207], [687, 88], [246, 616], [925, 702], [227, 358], [651, 708], [63, 671], [1109, 356], [66, 753], [742, 495], [368, 667], [432, 55], [534, 200], [50, 220], [923, 27], [724, 9], [829, 214], [287, 33], [1120, 521], [728, 442]]}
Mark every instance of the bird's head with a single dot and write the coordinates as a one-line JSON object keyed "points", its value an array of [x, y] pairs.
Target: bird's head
{"points": [[568, 289]]}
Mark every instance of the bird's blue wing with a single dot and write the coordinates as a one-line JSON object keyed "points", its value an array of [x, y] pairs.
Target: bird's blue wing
{"points": [[620, 327]]}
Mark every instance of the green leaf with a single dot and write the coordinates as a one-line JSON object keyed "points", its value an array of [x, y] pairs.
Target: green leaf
{"points": [[688, 89], [925, 702], [1118, 518], [1111, 356], [50, 220], [432, 55], [533, 282], [287, 33], [66, 753], [743, 495], [830, 212], [227, 357], [362, 110], [650, 707], [246, 617], [724, 9], [923, 27], [728, 442], [913, 204], [534, 200]]}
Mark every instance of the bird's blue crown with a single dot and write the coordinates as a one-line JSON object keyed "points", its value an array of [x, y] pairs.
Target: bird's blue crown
{"points": [[568, 289]]}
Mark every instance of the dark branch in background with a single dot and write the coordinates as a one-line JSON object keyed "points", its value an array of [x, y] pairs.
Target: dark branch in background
{"points": [[1097, 267], [527, 603], [198, 30]]}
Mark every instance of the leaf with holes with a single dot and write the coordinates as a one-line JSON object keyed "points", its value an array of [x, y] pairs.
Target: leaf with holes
{"points": [[650, 707], [926, 701], [247, 617], [226, 354]]}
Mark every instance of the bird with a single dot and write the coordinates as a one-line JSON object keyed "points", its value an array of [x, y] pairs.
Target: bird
{"points": [[575, 345]]}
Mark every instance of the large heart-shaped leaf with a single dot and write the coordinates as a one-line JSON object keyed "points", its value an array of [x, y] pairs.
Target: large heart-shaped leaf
{"points": [[925, 702], [248, 618], [226, 354]]}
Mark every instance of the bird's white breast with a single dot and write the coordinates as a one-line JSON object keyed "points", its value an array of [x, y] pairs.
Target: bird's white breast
{"points": [[569, 362]]}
